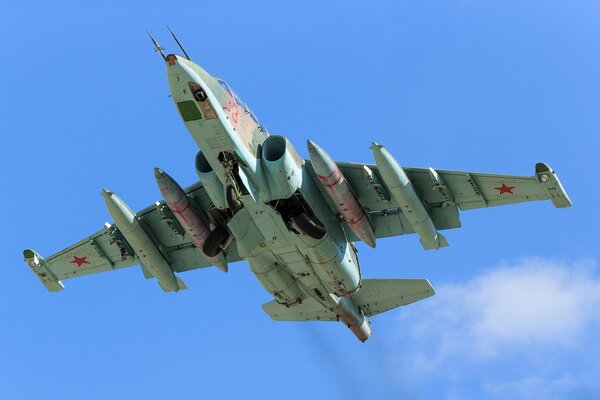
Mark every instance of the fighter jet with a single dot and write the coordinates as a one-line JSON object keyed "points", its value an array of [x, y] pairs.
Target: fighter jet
{"points": [[293, 220]]}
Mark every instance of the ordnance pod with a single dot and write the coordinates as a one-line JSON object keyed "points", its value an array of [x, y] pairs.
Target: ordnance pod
{"points": [[147, 252], [187, 215], [404, 193], [338, 189]]}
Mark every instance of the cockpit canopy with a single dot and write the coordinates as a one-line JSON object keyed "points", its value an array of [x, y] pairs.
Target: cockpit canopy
{"points": [[241, 103]]}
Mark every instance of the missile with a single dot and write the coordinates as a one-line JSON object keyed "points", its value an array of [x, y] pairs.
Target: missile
{"points": [[404, 193], [148, 253], [187, 215], [338, 189]]}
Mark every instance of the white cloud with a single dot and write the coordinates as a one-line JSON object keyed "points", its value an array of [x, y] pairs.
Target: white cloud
{"points": [[519, 328]]}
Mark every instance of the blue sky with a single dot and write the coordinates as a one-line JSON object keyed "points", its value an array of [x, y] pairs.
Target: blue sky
{"points": [[467, 85]]}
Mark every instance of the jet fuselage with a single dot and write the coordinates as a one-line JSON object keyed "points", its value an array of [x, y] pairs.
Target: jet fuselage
{"points": [[261, 189]]}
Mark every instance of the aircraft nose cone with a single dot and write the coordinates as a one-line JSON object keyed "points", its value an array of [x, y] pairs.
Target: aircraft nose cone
{"points": [[183, 77]]}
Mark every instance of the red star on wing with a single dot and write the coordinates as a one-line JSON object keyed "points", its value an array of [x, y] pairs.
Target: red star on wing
{"points": [[505, 189], [79, 261]]}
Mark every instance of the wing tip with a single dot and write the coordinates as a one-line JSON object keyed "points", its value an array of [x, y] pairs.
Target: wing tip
{"points": [[429, 287], [554, 189], [28, 254], [38, 265]]}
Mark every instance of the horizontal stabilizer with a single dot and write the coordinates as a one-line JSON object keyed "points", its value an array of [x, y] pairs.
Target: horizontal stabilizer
{"points": [[374, 297], [380, 295], [308, 310]]}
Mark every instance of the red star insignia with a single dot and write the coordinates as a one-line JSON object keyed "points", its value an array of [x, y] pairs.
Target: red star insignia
{"points": [[79, 261], [505, 189]]}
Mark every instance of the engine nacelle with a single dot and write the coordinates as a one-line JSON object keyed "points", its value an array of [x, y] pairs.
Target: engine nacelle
{"points": [[282, 166], [209, 179]]}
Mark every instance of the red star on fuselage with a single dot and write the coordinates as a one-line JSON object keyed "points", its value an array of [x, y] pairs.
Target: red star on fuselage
{"points": [[504, 189], [79, 260]]}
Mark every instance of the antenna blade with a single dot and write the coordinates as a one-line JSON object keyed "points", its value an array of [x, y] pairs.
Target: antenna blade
{"points": [[179, 44], [157, 47]]}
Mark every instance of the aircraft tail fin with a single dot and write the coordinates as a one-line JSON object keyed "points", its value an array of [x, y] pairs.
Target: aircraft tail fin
{"points": [[374, 297]]}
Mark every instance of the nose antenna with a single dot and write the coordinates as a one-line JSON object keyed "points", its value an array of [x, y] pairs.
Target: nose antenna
{"points": [[179, 44], [157, 47]]}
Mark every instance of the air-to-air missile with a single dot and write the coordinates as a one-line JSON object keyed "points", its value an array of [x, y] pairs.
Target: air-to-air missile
{"points": [[187, 215], [148, 253], [404, 193], [341, 194]]}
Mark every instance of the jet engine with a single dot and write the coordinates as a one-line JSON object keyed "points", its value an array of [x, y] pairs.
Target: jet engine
{"points": [[210, 181], [282, 166]]}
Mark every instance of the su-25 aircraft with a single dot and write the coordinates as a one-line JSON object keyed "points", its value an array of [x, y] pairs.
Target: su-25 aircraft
{"points": [[293, 220]]}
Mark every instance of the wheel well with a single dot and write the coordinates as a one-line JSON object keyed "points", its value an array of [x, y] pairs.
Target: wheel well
{"points": [[292, 207]]}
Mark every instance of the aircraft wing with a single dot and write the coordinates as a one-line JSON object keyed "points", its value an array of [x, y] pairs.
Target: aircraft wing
{"points": [[108, 250], [444, 193]]}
